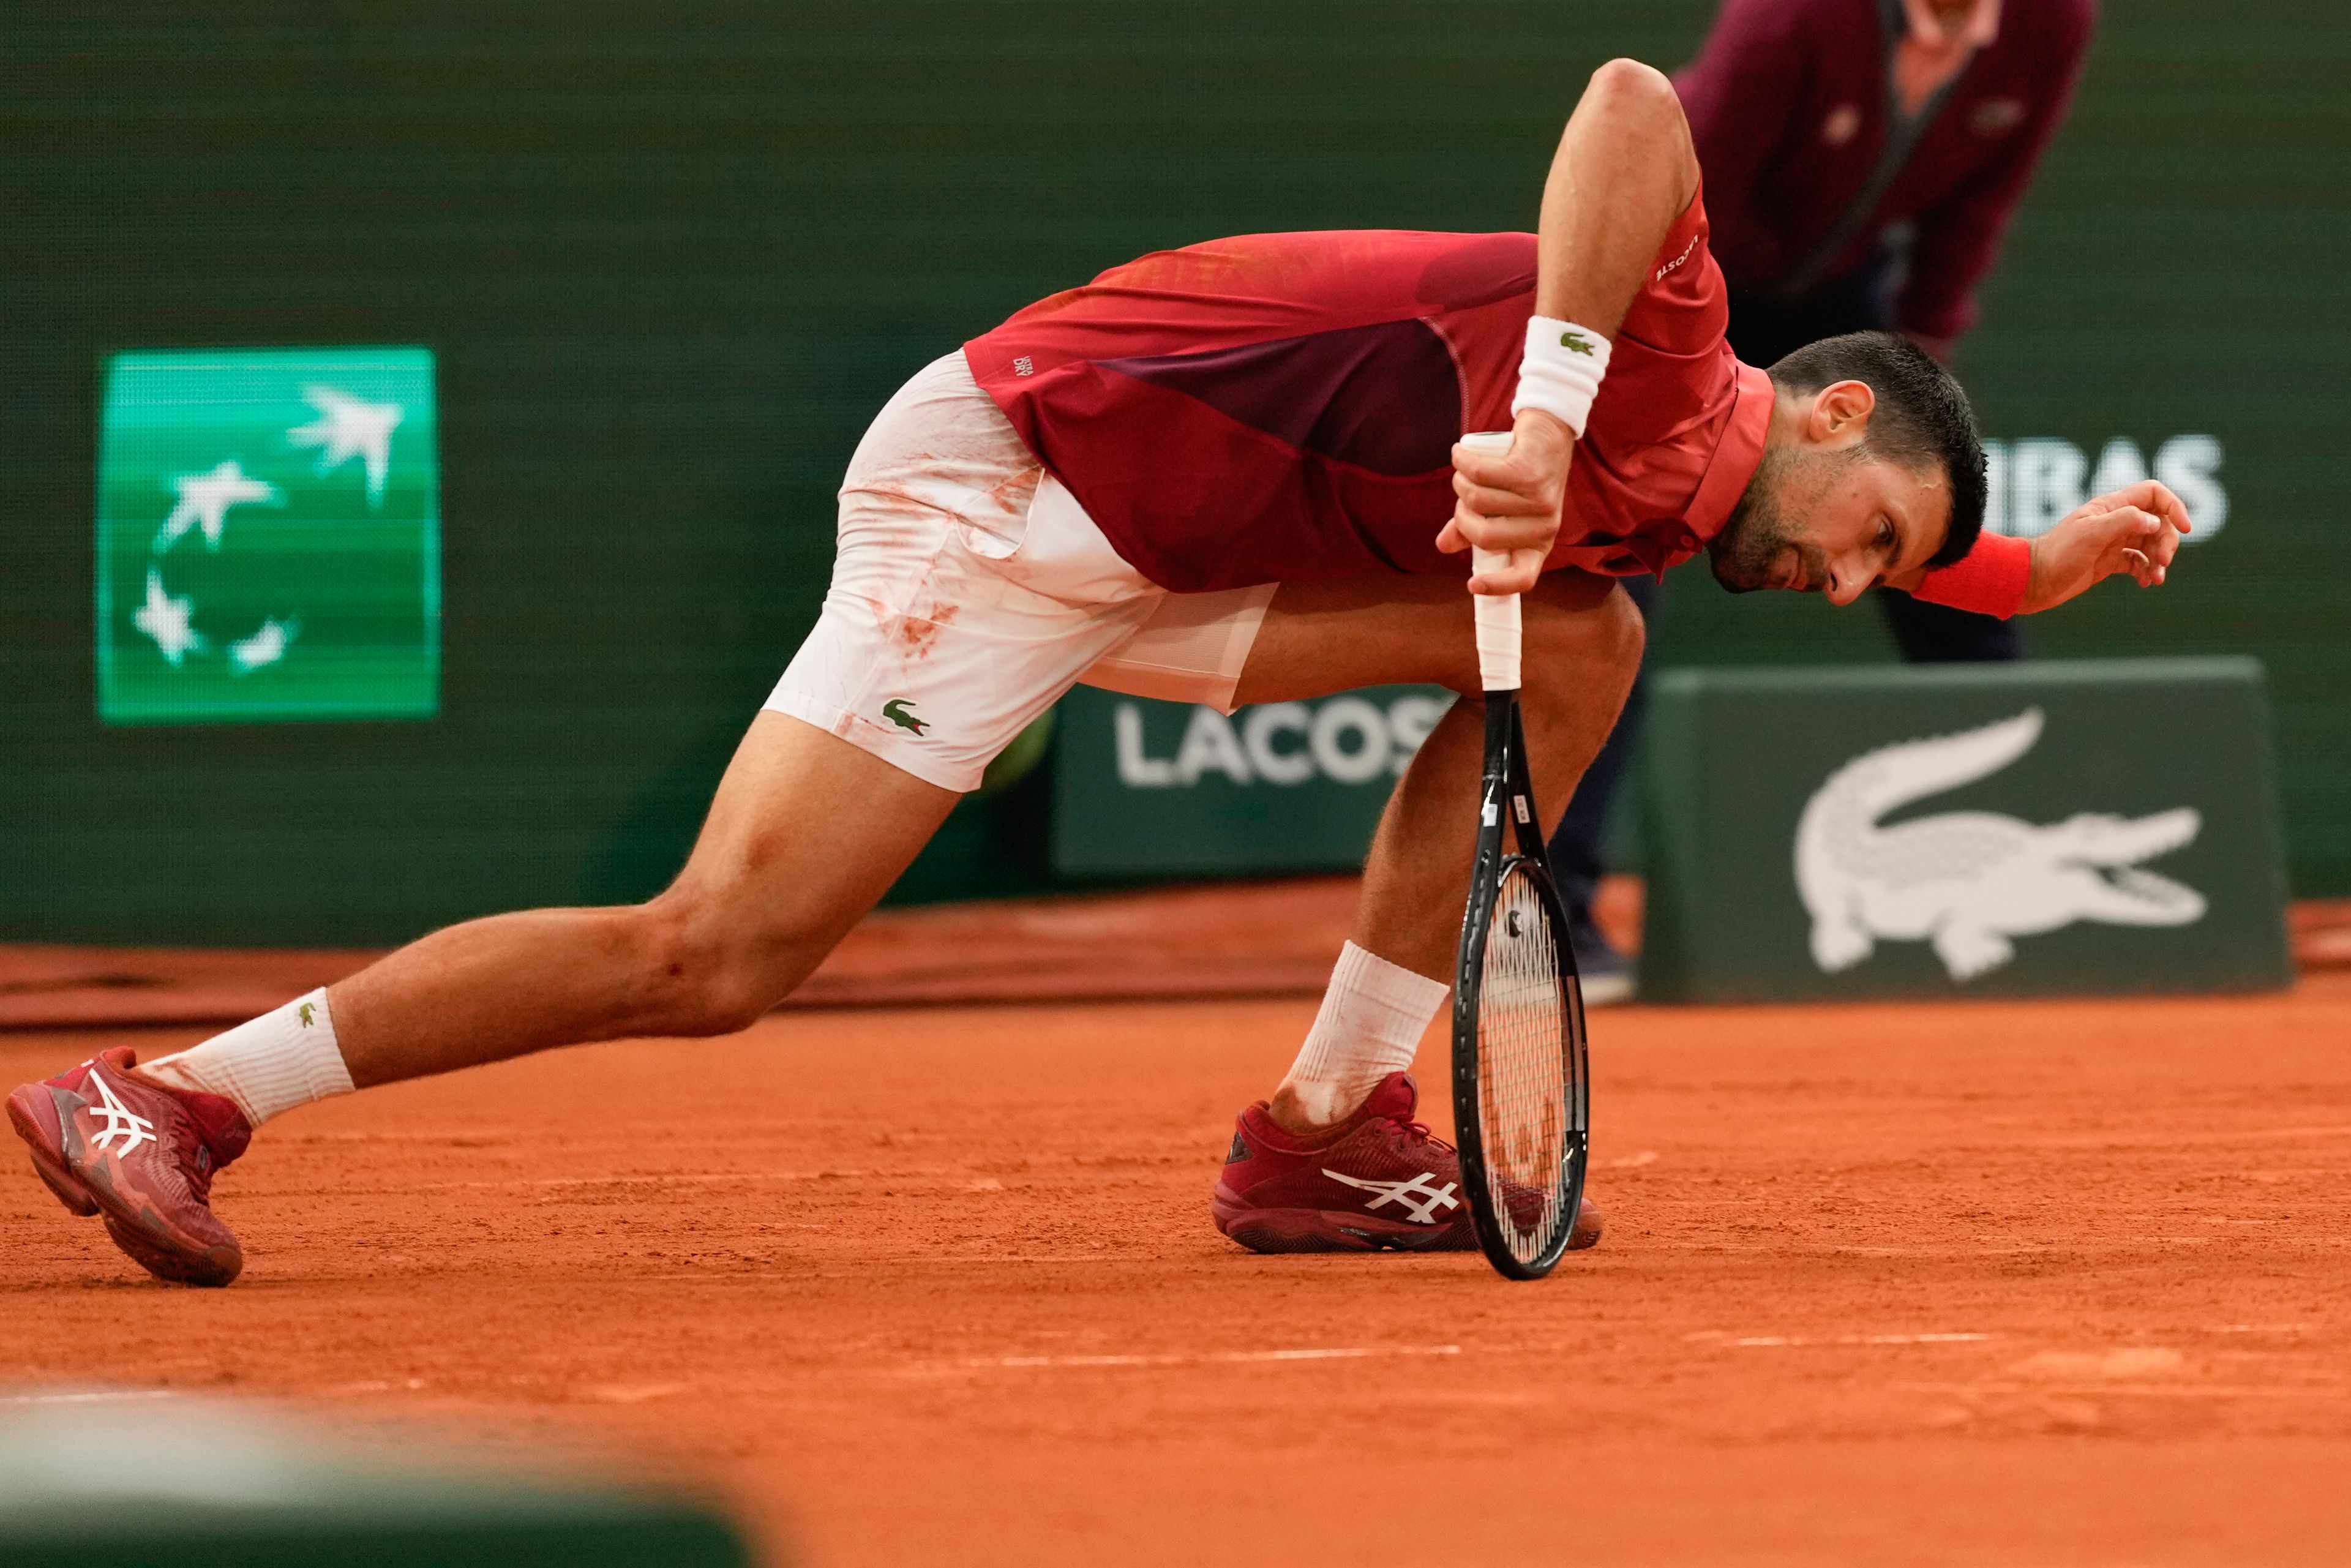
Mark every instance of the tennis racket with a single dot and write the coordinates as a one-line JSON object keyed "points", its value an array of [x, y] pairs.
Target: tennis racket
{"points": [[1520, 1101]]}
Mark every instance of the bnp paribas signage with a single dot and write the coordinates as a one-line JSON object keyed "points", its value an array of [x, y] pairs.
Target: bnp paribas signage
{"points": [[269, 537], [2037, 828]]}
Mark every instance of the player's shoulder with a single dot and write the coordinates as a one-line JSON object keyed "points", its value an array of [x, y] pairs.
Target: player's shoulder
{"points": [[1685, 250], [1680, 312]]}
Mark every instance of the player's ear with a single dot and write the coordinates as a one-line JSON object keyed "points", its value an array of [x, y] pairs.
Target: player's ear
{"points": [[1841, 412]]}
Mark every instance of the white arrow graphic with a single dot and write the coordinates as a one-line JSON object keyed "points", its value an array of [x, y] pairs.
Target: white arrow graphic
{"points": [[204, 501], [266, 646], [351, 427], [165, 619]]}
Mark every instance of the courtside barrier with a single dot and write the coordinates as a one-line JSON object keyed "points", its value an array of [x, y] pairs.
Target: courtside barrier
{"points": [[1156, 789], [2049, 827]]}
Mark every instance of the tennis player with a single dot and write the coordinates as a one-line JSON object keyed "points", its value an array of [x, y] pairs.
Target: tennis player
{"points": [[1220, 475]]}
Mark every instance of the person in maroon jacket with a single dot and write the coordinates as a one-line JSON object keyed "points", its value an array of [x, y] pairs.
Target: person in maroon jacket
{"points": [[1863, 159]]}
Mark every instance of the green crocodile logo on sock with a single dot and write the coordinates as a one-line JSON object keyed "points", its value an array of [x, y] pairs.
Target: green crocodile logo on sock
{"points": [[900, 713], [1575, 342], [308, 1011]]}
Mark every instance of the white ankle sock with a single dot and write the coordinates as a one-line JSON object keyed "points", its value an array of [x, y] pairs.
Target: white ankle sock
{"points": [[1373, 1017], [268, 1066]]}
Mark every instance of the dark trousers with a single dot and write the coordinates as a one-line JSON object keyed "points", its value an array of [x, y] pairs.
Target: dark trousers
{"points": [[1761, 332], [1575, 848]]}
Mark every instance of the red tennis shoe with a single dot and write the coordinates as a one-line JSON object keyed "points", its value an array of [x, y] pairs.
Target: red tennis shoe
{"points": [[142, 1155], [1378, 1180]]}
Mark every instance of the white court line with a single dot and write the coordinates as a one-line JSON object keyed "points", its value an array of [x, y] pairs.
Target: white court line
{"points": [[1713, 1336], [1215, 1358], [94, 1396]]}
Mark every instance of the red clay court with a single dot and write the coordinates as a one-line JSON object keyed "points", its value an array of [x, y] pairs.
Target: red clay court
{"points": [[2003, 1283]]}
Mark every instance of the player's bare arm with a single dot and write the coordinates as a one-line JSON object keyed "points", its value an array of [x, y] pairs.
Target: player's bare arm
{"points": [[1623, 173]]}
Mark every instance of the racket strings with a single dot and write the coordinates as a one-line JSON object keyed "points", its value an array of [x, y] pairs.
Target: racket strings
{"points": [[1523, 1066]]}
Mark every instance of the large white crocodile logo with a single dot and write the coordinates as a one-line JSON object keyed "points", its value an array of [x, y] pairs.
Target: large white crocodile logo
{"points": [[1968, 881]]}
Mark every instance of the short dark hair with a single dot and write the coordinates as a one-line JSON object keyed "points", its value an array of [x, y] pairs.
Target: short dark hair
{"points": [[1922, 416]]}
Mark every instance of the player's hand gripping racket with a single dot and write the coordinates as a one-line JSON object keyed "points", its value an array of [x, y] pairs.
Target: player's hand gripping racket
{"points": [[1520, 1107]]}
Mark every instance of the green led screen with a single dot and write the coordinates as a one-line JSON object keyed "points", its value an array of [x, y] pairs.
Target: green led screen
{"points": [[269, 537]]}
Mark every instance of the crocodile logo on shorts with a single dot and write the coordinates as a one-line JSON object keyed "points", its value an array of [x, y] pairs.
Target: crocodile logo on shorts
{"points": [[898, 711], [1575, 342], [309, 1014]]}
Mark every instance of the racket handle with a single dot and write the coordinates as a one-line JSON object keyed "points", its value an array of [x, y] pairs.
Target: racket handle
{"points": [[1499, 632]]}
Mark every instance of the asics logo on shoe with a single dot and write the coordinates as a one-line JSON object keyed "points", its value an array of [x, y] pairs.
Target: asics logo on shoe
{"points": [[1416, 1197], [120, 1121]]}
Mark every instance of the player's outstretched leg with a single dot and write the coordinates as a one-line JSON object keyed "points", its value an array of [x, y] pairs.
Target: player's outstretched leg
{"points": [[807, 832], [1336, 1160]]}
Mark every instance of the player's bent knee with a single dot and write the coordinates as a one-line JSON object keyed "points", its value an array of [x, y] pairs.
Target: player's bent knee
{"points": [[1611, 635], [1585, 624], [700, 973], [1574, 657]]}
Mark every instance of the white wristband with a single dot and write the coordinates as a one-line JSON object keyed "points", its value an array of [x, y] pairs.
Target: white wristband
{"points": [[1562, 372]]}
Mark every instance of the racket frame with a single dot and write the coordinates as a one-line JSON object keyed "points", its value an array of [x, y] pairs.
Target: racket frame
{"points": [[1507, 815]]}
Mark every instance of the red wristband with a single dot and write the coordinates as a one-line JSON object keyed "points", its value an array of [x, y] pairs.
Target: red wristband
{"points": [[1991, 579]]}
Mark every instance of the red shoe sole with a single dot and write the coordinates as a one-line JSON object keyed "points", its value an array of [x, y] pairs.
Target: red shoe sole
{"points": [[1319, 1231], [211, 1270]]}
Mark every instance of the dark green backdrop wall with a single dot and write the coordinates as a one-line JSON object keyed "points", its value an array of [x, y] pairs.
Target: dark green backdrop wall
{"points": [[669, 258]]}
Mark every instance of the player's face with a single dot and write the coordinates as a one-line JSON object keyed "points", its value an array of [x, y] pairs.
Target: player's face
{"points": [[1831, 520]]}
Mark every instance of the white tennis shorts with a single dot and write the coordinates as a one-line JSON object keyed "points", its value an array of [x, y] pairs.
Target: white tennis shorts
{"points": [[971, 591]]}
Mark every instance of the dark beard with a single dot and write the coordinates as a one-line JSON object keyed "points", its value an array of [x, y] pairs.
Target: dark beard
{"points": [[1745, 555]]}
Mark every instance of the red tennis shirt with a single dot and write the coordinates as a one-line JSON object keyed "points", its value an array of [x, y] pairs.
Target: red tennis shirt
{"points": [[1282, 408]]}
